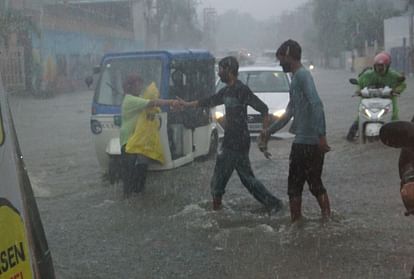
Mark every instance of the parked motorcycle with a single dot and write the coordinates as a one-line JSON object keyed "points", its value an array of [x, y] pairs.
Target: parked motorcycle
{"points": [[375, 109]]}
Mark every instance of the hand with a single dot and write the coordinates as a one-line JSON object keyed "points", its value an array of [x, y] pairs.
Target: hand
{"points": [[183, 103], [323, 145], [262, 143], [175, 105], [262, 140], [264, 135]]}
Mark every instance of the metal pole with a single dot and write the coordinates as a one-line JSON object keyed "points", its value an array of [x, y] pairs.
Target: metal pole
{"points": [[405, 66], [411, 39]]}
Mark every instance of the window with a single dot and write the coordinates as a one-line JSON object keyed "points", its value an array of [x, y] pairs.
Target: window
{"points": [[265, 81], [109, 90]]}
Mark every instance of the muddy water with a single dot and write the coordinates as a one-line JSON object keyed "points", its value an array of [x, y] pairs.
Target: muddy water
{"points": [[171, 231]]}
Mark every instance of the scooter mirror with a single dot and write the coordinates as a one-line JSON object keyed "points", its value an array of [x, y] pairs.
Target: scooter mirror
{"points": [[353, 81]]}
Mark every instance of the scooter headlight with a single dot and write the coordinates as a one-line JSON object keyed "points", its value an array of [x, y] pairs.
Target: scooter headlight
{"points": [[367, 113], [381, 113]]}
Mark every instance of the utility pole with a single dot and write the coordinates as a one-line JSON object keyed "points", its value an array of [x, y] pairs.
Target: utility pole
{"points": [[153, 24], [411, 35], [209, 27]]}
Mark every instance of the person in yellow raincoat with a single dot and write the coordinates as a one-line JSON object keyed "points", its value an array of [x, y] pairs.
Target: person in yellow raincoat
{"points": [[139, 134]]}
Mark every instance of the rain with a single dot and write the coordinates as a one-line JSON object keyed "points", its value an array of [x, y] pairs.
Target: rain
{"points": [[63, 66]]}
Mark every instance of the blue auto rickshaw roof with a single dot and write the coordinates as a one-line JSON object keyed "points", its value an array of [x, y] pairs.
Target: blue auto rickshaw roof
{"points": [[170, 54]]}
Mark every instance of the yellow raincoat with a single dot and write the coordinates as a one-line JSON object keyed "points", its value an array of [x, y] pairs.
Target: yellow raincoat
{"points": [[146, 138]]}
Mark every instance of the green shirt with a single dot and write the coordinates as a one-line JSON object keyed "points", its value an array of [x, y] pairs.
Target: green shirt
{"points": [[131, 107], [391, 79]]}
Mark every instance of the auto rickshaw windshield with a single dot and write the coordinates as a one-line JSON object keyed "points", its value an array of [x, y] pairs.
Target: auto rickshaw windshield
{"points": [[109, 90]]}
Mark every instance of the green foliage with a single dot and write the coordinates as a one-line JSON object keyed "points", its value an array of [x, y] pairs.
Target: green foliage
{"points": [[180, 24], [345, 25], [363, 22], [326, 21], [175, 22]]}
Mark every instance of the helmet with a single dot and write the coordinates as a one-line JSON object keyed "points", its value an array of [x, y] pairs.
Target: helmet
{"points": [[407, 196], [383, 58]]}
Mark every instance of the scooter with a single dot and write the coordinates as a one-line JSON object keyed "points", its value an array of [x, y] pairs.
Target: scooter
{"points": [[375, 110]]}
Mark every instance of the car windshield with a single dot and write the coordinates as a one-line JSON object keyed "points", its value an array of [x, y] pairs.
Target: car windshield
{"points": [[109, 90], [263, 81]]}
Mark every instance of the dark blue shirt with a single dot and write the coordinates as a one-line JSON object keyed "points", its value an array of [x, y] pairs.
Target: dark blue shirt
{"points": [[236, 98]]}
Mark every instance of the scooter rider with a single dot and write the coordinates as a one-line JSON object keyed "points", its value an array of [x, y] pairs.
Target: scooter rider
{"points": [[379, 76]]}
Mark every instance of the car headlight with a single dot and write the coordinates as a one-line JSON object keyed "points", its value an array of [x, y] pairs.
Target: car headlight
{"points": [[279, 113], [311, 67], [218, 114]]}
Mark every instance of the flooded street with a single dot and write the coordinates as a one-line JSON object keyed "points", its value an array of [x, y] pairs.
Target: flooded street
{"points": [[171, 230]]}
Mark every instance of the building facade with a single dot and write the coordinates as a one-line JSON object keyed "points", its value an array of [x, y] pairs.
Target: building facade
{"points": [[73, 37]]}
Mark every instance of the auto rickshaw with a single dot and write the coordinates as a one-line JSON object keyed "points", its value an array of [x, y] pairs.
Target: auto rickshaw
{"points": [[185, 135]]}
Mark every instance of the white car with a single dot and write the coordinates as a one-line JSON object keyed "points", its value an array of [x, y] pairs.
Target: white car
{"points": [[271, 85]]}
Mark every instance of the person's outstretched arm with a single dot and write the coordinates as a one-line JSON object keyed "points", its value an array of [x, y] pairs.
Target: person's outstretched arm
{"points": [[163, 102]]}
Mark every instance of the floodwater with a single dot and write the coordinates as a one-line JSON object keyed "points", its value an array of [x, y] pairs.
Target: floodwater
{"points": [[171, 230]]}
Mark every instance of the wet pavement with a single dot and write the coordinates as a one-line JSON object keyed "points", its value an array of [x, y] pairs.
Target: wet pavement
{"points": [[171, 231]]}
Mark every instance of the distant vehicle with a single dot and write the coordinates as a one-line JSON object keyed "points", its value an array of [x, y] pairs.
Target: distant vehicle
{"points": [[272, 86], [375, 110], [244, 56], [267, 57], [308, 64], [185, 135]]}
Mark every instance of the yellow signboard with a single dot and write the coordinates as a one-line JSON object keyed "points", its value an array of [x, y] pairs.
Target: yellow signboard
{"points": [[24, 253], [14, 251]]}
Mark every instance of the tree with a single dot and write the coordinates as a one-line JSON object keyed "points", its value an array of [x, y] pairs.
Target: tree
{"points": [[345, 25], [13, 22], [326, 14], [365, 22], [179, 28], [171, 23]]}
